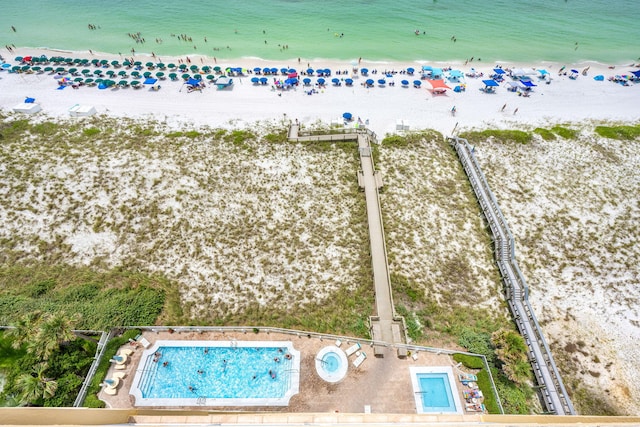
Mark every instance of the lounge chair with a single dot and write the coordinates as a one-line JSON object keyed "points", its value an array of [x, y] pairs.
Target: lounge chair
{"points": [[467, 378], [111, 391], [126, 352], [352, 349], [358, 361], [338, 343], [120, 366], [474, 407], [119, 375]]}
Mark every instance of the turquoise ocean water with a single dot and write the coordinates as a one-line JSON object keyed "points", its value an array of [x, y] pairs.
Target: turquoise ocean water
{"points": [[517, 30]]}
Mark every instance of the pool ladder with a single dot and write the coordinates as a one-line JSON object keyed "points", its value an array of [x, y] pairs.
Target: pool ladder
{"points": [[201, 401]]}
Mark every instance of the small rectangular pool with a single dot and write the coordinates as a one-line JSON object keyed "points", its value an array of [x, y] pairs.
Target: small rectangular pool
{"points": [[435, 390], [217, 373]]}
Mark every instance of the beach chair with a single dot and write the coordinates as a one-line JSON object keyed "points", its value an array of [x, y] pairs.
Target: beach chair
{"points": [[352, 349], [338, 343], [111, 391], [358, 360], [126, 352], [467, 378], [119, 375]]}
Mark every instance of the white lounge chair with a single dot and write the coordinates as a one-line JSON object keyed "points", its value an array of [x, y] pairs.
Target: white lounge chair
{"points": [[358, 360], [111, 391], [338, 343], [352, 349], [126, 352]]}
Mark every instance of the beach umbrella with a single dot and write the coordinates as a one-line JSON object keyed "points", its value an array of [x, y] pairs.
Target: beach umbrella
{"points": [[5, 66], [48, 69], [528, 83], [575, 71], [137, 63], [146, 74], [194, 68], [36, 68], [347, 116], [25, 68], [135, 74], [78, 79], [327, 72], [364, 71], [135, 83], [542, 72], [255, 80], [15, 68], [95, 61], [60, 70], [599, 78], [320, 72], [257, 70], [149, 65], [84, 61], [306, 81], [490, 83], [160, 74], [122, 73], [211, 77], [86, 71], [110, 73], [18, 58], [273, 70], [126, 63], [369, 82], [182, 66], [417, 83], [161, 65], [321, 81], [98, 72], [348, 82], [266, 70], [404, 83], [206, 69], [115, 63], [284, 70], [291, 71], [410, 71], [335, 81], [186, 76], [123, 83], [171, 66], [310, 71], [104, 63], [88, 81], [173, 76], [264, 80], [197, 76], [217, 69], [382, 82]]}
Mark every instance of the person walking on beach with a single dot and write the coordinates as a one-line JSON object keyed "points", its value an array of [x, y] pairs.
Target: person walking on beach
{"points": [[453, 110], [515, 111], [503, 107]]}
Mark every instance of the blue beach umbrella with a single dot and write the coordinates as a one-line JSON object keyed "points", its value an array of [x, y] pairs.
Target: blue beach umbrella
{"points": [[321, 81], [347, 116], [369, 82], [320, 72], [490, 83], [310, 71], [382, 81], [306, 81], [405, 83], [257, 70], [264, 80], [410, 71], [150, 81], [273, 70], [364, 71], [284, 70], [335, 81], [266, 70], [255, 80], [417, 83], [348, 82]]}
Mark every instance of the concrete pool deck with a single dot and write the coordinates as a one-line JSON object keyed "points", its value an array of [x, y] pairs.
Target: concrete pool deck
{"points": [[382, 385]]}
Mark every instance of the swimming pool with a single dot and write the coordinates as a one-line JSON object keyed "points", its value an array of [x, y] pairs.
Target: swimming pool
{"points": [[217, 373], [331, 364], [435, 390]]}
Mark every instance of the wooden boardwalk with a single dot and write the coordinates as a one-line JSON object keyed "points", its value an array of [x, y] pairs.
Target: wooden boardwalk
{"points": [[386, 326]]}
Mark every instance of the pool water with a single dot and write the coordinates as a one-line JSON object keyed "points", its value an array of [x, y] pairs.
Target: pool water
{"points": [[214, 373], [331, 362], [435, 390]]}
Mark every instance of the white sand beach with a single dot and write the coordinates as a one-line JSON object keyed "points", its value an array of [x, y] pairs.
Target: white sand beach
{"points": [[562, 101]]}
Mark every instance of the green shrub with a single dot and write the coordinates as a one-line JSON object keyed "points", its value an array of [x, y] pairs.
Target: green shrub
{"points": [[91, 132], [503, 136], [546, 134], [626, 133], [563, 132]]}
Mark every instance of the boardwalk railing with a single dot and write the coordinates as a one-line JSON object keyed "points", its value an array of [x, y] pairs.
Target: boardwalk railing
{"points": [[554, 396], [102, 344]]}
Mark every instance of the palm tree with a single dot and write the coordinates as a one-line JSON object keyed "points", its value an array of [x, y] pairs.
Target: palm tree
{"points": [[24, 329], [34, 385], [55, 330]]}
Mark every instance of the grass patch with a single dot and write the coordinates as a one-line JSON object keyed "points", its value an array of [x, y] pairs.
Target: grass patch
{"points": [[497, 135], [546, 134], [624, 133], [564, 132]]}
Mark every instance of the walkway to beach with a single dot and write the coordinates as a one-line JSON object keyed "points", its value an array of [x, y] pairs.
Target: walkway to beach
{"points": [[386, 326]]}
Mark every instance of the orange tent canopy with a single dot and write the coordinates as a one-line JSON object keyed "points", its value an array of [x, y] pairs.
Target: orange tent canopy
{"points": [[437, 84]]}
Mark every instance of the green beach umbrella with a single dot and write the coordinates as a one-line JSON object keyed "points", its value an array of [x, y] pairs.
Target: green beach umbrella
{"points": [[60, 70], [182, 66], [135, 83], [126, 63], [217, 69], [73, 70], [86, 71], [135, 74], [149, 65], [122, 73], [137, 63], [110, 73], [68, 60], [48, 69], [186, 76], [78, 79], [15, 68], [197, 76], [206, 69], [171, 66], [160, 74], [210, 77], [88, 81], [193, 68], [84, 61], [95, 61], [104, 62], [36, 68], [77, 61], [161, 65], [18, 58], [146, 74], [98, 72], [115, 63], [26, 67], [173, 76], [98, 80], [123, 83]]}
